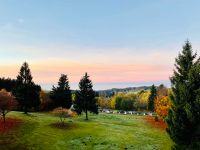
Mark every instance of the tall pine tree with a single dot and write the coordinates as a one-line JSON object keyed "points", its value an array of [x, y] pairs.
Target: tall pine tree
{"points": [[85, 98], [25, 91], [61, 95], [184, 117], [152, 98]]}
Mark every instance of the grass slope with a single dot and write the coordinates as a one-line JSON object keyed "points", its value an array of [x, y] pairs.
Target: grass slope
{"points": [[104, 131]]}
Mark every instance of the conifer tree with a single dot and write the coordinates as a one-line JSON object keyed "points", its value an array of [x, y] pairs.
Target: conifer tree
{"points": [[85, 97], [184, 117], [61, 95], [26, 92], [152, 98]]}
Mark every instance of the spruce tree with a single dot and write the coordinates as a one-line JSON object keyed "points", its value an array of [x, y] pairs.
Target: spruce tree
{"points": [[61, 95], [25, 91], [184, 117], [152, 98], [85, 97]]}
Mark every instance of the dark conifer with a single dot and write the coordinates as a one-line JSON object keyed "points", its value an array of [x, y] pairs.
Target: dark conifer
{"points": [[152, 98], [184, 117], [61, 95], [25, 91], [85, 97]]}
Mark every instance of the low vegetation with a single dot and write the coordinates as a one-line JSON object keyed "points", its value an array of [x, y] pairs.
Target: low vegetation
{"points": [[105, 131], [62, 114]]}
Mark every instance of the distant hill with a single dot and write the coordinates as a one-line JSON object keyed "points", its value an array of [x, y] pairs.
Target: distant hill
{"points": [[110, 92]]}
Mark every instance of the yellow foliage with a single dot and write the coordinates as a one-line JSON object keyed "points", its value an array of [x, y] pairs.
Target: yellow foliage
{"points": [[142, 100], [162, 106], [104, 102]]}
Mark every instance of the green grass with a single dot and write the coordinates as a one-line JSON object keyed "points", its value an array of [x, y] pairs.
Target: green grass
{"points": [[103, 131]]}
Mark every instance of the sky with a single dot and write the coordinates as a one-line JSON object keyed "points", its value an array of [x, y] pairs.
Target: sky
{"points": [[120, 43]]}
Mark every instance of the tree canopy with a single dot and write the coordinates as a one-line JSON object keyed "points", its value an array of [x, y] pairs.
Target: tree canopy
{"points": [[26, 91], [85, 99], [7, 103], [61, 95], [152, 98], [184, 117]]}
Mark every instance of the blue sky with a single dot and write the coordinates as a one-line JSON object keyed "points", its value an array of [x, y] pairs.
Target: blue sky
{"points": [[102, 37]]}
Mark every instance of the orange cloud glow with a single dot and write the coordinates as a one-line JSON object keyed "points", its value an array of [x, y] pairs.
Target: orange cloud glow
{"points": [[49, 72]]}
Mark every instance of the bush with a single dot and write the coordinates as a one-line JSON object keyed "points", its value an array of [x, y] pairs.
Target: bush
{"points": [[63, 113]]}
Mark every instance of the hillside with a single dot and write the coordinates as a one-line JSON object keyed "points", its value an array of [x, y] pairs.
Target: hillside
{"points": [[110, 92]]}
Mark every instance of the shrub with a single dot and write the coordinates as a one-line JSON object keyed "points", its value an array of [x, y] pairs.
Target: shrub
{"points": [[63, 113]]}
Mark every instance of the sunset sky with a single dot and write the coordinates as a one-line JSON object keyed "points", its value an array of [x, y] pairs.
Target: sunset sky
{"points": [[120, 43]]}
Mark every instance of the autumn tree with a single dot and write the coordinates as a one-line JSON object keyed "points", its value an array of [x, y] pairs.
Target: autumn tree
{"points": [[63, 113], [104, 102], [85, 97], [127, 104], [142, 100], [123, 101], [184, 118], [118, 101], [162, 106], [27, 93], [162, 102], [7, 102], [161, 91], [61, 95], [45, 101], [152, 98]]}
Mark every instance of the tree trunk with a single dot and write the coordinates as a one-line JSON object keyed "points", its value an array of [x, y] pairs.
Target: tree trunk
{"points": [[86, 115], [25, 110], [4, 118]]}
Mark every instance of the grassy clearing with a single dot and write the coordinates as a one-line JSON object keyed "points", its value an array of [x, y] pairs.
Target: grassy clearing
{"points": [[104, 131]]}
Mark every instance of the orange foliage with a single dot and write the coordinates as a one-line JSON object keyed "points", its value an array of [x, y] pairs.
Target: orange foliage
{"points": [[162, 106], [158, 124]]}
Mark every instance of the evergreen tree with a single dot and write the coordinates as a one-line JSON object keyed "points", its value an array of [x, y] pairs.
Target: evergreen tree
{"points": [[152, 98], [8, 84], [34, 96], [184, 117], [61, 95], [26, 92], [85, 98]]}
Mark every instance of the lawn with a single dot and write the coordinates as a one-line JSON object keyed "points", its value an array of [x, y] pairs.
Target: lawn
{"points": [[103, 131]]}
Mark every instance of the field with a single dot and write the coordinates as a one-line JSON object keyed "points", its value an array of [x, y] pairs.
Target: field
{"points": [[103, 131]]}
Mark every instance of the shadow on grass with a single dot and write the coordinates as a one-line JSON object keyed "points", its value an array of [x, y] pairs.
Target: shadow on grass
{"points": [[29, 115], [64, 126]]}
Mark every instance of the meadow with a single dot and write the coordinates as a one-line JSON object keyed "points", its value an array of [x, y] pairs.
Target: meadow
{"points": [[100, 132]]}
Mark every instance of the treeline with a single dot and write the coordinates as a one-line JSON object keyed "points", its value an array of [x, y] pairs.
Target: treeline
{"points": [[111, 92], [139, 101], [7, 83], [30, 97]]}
